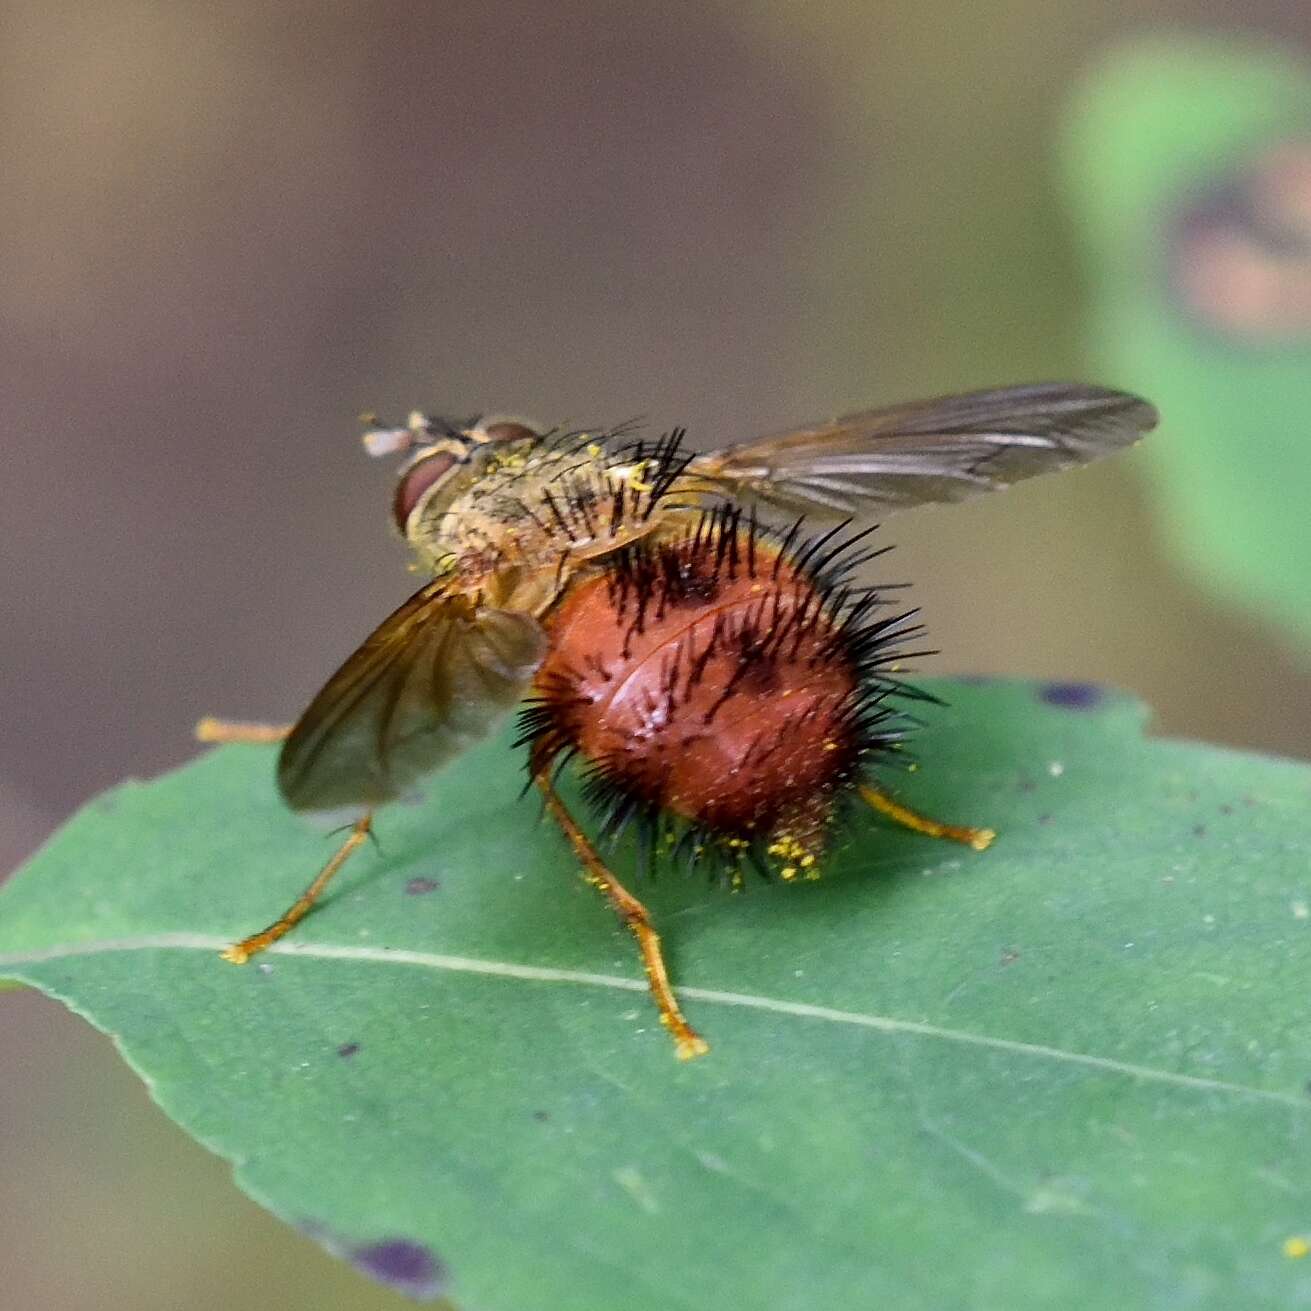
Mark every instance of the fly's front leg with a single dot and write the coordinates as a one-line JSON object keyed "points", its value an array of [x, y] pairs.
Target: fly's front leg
{"points": [[223, 730], [687, 1042], [240, 952], [228, 730]]}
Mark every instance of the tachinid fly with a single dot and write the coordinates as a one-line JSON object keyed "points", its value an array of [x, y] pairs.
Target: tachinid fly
{"points": [[687, 626]]}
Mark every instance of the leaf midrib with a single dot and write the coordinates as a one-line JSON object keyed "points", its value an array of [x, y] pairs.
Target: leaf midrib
{"points": [[713, 996]]}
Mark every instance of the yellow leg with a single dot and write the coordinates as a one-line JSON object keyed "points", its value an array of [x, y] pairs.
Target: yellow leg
{"points": [[239, 953], [978, 838], [226, 730], [687, 1042]]}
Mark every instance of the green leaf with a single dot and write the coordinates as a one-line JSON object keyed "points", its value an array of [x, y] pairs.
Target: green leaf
{"points": [[1160, 126], [1069, 1071]]}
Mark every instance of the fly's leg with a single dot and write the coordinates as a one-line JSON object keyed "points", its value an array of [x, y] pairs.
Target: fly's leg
{"points": [[240, 952], [222, 730], [978, 838], [227, 730], [687, 1042]]}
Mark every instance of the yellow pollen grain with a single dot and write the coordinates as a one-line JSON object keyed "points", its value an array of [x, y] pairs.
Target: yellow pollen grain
{"points": [[788, 872], [807, 861], [1296, 1248]]}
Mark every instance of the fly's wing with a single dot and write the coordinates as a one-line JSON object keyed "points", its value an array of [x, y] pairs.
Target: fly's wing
{"points": [[939, 450], [434, 678]]}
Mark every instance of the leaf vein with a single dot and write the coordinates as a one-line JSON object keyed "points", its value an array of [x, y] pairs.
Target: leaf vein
{"points": [[713, 996]]}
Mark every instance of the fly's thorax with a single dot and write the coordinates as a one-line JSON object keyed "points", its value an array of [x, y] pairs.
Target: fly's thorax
{"points": [[543, 504]]}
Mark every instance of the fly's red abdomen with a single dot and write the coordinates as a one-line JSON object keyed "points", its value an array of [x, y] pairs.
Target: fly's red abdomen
{"points": [[720, 702], [723, 682]]}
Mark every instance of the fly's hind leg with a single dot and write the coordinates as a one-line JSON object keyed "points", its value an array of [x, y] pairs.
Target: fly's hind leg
{"points": [[687, 1042], [223, 730], [978, 838]]}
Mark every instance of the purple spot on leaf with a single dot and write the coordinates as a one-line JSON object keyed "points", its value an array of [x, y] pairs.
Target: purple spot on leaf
{"points": [[1072, 696], [406, 1266], [348, 1049], [420, 887]]}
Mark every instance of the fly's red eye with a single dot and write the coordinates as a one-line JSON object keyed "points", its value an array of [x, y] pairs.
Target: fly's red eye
{"points": [[508, 432], [416, 480]]}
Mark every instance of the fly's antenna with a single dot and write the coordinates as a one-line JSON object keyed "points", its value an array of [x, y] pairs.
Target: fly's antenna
{"points": [[380, 440], [420, 430]]}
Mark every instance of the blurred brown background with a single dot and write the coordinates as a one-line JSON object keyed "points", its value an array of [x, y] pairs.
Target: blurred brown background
{"points": [[228, 229]]}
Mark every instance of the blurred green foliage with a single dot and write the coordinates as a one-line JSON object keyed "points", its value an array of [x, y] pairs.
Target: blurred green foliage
{"points": [[1066, 1072], [1199, 254]]}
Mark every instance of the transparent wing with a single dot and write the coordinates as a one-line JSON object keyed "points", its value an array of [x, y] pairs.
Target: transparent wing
{"points": [[432, 679], [939, 450]]}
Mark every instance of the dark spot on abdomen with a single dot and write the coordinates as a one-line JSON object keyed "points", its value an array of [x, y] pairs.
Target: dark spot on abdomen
{"points": [[420, 887]]}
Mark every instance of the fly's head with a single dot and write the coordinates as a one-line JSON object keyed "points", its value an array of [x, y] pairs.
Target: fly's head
{"points": [[445, 460]]}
